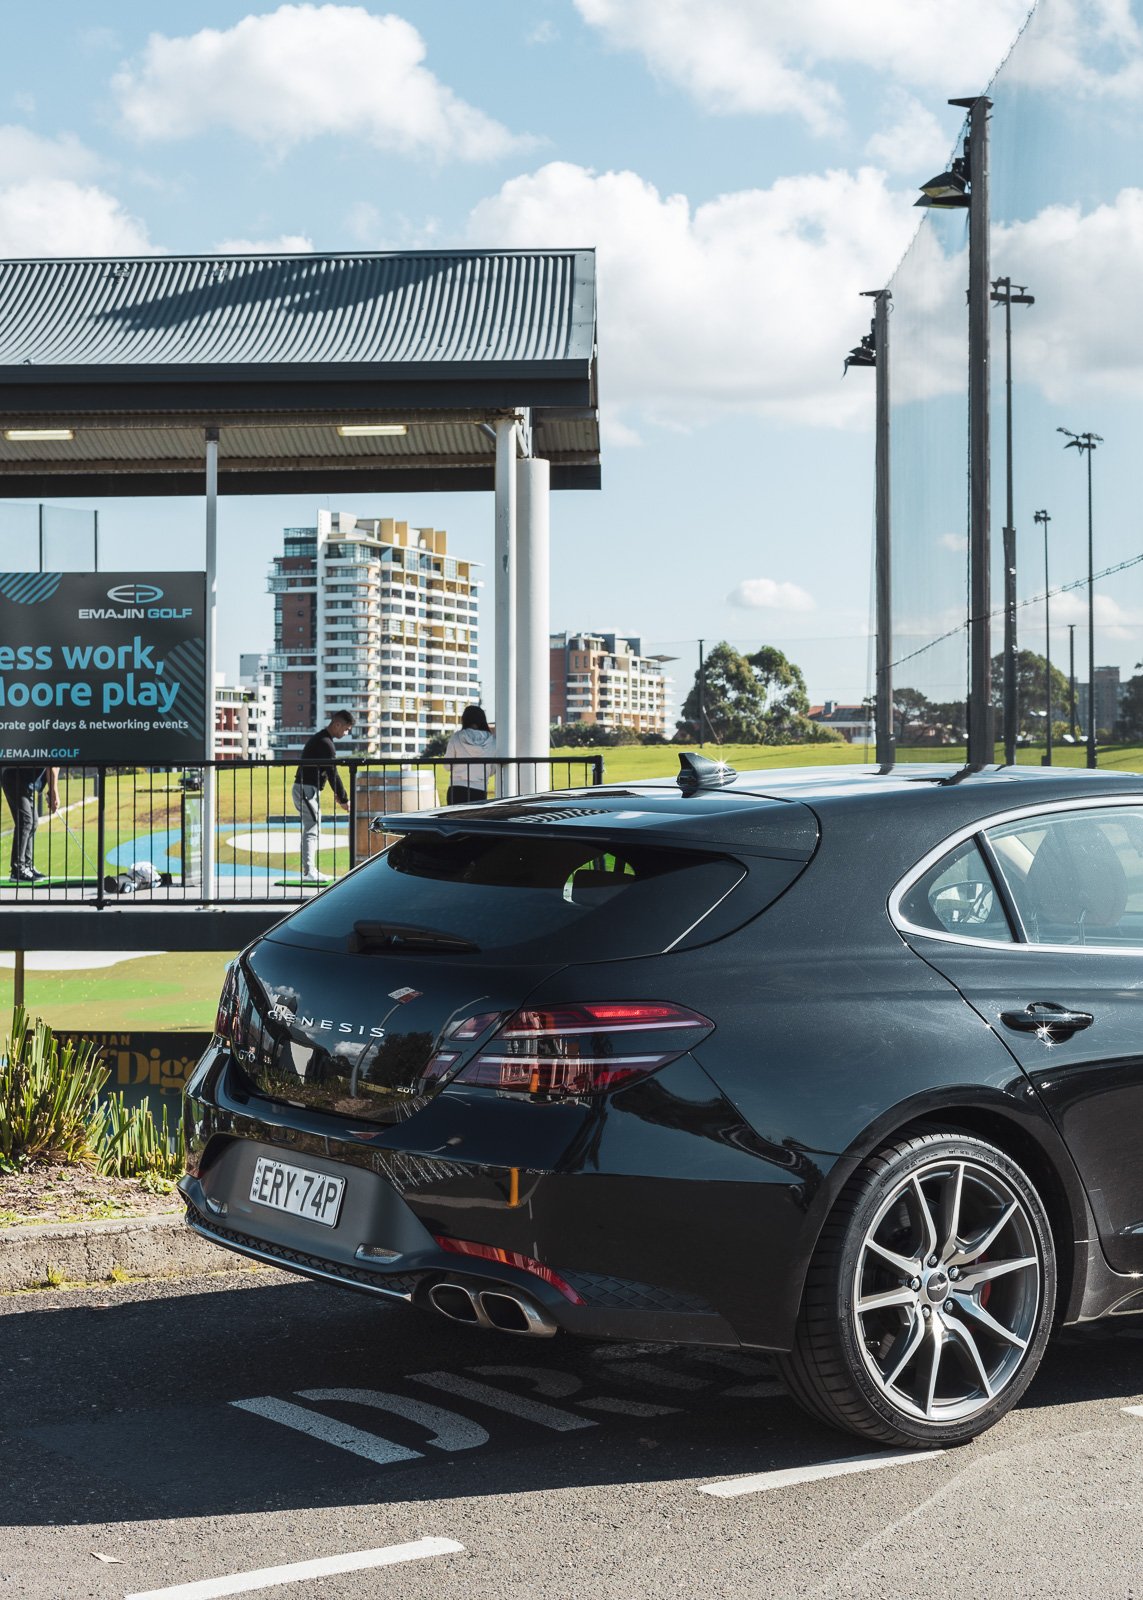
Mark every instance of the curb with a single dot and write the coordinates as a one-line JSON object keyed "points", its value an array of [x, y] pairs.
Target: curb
{"points": [[54, 1254]]}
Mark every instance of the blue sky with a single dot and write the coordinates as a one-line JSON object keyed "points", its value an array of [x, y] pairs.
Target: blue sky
{"points": [[744, 168]]}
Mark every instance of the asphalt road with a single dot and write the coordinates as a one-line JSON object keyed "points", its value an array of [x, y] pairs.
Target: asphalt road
{"points": [[188, 1430]]}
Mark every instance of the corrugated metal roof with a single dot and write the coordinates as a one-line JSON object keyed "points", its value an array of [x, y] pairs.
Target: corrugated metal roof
{"points": [[462, 308]]}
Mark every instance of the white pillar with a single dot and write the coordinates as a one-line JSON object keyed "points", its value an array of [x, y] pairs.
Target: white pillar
{"points": [[505, 599], [533, 590], [210, 784]]}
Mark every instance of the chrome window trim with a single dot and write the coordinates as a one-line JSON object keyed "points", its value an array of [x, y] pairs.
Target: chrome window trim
{"points": [[974, 830]]}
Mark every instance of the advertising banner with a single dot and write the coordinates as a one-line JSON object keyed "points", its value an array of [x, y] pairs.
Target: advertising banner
{"points": [[154, 1066], [103, 666]]}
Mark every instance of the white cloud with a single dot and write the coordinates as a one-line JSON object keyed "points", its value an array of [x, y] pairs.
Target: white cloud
{"points": [[56, 217], [25, 155], [957, 543], [301, 71], [285, 244], [1084, 335], [748, 302], [46, 209], [914, 141], [746, 56], [767, 594], [1111, 621]]}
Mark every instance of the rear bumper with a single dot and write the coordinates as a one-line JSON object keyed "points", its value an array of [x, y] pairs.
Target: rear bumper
{"points": [[662, 1234], [611, 1309]]}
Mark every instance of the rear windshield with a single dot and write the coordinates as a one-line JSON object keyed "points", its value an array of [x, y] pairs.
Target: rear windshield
{"points": [[532, 897]]}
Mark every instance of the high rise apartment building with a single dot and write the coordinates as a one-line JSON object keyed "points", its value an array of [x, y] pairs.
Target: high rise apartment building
{"points": [[606, 678], [376, 617], [1108, 693]]}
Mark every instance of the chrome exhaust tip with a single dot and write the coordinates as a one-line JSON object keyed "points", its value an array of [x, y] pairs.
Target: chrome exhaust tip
{"points": [[454, 1302], [511, 1314], [491, 1308]]}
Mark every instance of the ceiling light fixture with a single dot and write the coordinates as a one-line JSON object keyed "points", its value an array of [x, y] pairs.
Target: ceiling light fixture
{"points": [[372, 430], [37, 435]]}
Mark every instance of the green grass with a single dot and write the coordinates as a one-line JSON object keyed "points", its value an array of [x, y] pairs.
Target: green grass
{"points": [[627, 763], [162, 992]]}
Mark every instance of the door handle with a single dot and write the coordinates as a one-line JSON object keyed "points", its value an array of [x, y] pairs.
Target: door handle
{"points": [[1047, 1019]]}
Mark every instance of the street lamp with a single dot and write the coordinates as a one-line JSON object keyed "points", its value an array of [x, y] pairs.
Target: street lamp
{"points": [[1088, 442], [873, 351], [1042, 516], [965, 185], [1008, 294]]}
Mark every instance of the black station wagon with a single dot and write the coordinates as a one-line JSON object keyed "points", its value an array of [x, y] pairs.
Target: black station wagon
{"points": [[843, 1065]]}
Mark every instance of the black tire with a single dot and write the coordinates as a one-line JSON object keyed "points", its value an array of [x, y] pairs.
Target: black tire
{"points": [[848, 1344]]}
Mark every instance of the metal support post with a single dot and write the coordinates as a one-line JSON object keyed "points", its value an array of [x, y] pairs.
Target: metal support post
{"points": [[1011, 707], [18, 979], [1072, 678], [210, 776], [981, 749], [505, 600], [533, 590], [1092, 757], [886, 751], [701, 706], [1007, 294]]}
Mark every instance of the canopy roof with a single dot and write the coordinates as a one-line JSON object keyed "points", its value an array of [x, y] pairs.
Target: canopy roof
{"points": [[136, 356]]}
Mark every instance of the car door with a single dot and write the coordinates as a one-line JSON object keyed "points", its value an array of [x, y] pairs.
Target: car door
{"points": [[1038, 920]]}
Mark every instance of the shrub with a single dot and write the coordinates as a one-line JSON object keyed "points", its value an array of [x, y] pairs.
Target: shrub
{"points": [[47, 1095], [50, 1111], [129, 1143]]}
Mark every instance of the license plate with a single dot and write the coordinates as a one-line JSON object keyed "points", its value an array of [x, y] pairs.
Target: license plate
{"points": [[283, 1187]]}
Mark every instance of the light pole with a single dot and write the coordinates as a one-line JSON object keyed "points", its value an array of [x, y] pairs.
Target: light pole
{"points": [[1008, 294], [947, 190], [1088, 442], [1072, 678], [1042, 516], [873, 351]]}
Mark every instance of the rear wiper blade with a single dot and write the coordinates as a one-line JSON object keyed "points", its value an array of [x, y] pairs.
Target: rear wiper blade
{"points": [[395, 936]]}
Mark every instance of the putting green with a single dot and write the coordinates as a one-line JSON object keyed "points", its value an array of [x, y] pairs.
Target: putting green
{"points": [[48, 883]]}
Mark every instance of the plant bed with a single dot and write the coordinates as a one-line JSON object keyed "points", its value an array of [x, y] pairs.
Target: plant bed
{"points": [[50, 1192]]}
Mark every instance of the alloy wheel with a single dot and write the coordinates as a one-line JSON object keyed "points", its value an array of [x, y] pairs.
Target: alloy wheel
{"points": [[946, 1291]]}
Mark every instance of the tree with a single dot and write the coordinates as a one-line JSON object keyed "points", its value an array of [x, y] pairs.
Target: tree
{"points": [[756, 699], [1031, 699], [912, 714], [784, 689]]}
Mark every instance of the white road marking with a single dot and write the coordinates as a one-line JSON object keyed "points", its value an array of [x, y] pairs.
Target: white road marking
{"points": [[783, 1477], [448, 1430], [557, 1385], [328, 1430], [768, 1389], [746, 1365], [504, 1400], [548, 1381], [628, 1408], [659, 1375], [1132, 1411], [299, 1571]]}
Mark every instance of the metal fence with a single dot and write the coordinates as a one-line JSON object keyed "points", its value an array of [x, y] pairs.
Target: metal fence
{"points": [[126, 833]]}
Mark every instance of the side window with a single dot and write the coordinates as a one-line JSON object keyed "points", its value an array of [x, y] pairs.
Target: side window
{"points": [[958, 896], [1076, 877]]}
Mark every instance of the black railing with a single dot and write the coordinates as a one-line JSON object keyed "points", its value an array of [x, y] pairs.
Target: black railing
{"points": [[124, 834]]}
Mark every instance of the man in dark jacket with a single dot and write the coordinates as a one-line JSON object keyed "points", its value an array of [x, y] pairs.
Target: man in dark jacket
{"points": [[22, 789], [318, 767]]}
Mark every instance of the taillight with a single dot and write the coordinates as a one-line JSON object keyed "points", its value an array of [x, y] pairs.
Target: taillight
{"points": [[509, 1258], [586, 1047], [227, 1004]]}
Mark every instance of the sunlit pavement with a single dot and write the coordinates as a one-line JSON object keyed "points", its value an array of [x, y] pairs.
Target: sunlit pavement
{"points": [[193, 1432]]}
